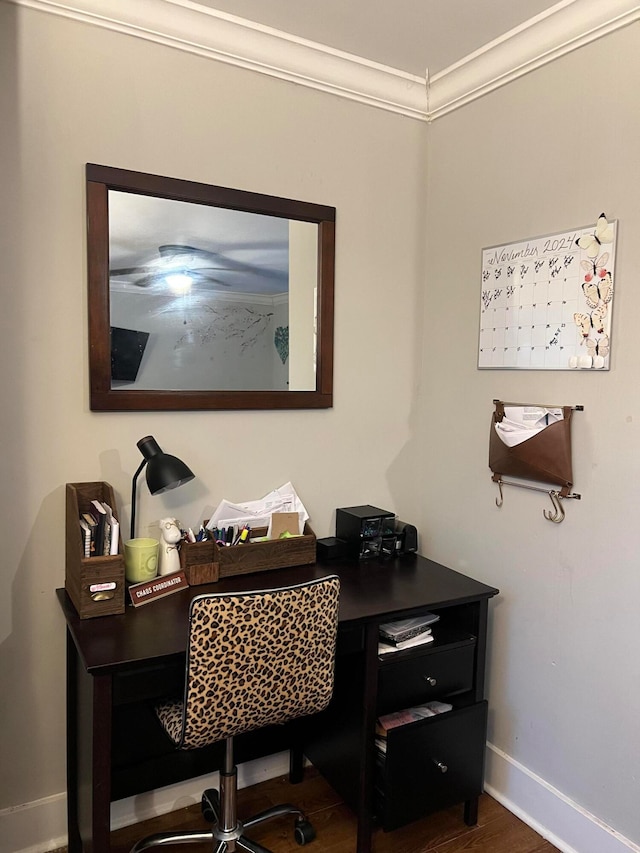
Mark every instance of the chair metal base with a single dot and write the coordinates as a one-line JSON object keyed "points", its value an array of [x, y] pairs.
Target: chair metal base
{"points": [[232, 843], [227, 834]]}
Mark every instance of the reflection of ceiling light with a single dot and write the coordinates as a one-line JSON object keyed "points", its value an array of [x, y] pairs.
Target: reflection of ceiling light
{"points": [[179, 282]]}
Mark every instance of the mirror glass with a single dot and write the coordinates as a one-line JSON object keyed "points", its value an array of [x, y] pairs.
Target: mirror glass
{"points": [[206, 297]]}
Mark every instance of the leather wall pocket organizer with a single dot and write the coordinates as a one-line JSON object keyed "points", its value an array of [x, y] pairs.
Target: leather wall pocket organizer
{"points": [[544, 458]]}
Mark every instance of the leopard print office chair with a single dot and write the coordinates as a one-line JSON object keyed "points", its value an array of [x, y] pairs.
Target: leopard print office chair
{"points": [[254, 659]]}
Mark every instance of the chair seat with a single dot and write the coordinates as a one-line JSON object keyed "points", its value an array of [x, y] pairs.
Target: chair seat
{"points": [[170, 713]]}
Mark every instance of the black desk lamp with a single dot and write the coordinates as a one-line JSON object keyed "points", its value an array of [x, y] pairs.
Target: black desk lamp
{"points": [[164, 472]]}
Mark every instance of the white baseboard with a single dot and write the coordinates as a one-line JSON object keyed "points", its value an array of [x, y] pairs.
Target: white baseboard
{"points": [[35, 827], [553, 815], [42, 825]]}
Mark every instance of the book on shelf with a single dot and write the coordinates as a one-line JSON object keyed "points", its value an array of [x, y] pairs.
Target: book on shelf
{"points": [[85, 534], [381, 744], [405, 629], [100, 528], [114, 532], [100, 515], [409, 715], [385, 647], [91, 522]]}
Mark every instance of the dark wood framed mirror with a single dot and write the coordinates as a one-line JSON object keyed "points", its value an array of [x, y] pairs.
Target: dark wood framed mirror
{"points": [[204, 297]]}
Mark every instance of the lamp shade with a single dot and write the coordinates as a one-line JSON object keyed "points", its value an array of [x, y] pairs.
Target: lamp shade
{"points": [[164, 471]]}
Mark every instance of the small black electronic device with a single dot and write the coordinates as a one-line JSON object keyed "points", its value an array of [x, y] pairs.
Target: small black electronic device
{"points": [[330, 548], [407, 537], [367, 530]]}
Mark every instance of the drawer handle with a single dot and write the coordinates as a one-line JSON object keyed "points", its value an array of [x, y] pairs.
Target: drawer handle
{"points": [[442, 767], [431, 681]]}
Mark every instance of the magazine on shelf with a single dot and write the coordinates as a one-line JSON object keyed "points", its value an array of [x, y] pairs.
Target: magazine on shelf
{"points": [[404, 629], [421, 640]]}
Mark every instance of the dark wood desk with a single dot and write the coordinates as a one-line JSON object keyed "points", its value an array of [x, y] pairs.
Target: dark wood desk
{"points": [[116, 664]]}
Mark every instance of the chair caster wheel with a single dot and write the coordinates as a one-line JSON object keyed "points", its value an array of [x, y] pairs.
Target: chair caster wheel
{"points": [[303, 832], [210, 805]]}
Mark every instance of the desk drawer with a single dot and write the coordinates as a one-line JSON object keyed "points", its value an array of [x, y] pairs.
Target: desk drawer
{"points": [[431, 765], [149, 682], [419, 679]]}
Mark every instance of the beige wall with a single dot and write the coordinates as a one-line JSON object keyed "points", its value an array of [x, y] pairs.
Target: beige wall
{"points": [[546, 153], [410, 424], [72, 94]]}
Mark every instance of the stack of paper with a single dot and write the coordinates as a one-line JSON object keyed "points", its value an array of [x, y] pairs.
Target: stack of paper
{"points": [[522, 422], [257, 513]]}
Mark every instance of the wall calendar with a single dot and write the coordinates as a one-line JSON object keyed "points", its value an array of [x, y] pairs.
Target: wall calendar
{"points": [[546, 302]]}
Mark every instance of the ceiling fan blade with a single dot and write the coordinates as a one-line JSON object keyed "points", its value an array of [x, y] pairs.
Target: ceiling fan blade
{"points": [[176, 249], [147, 280], [206, 269], [130, 271], [185, 249], [171, 250], [200, 278]]}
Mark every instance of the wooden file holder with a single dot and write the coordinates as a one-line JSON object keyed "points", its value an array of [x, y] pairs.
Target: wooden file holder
{"points": [[95, 585]]}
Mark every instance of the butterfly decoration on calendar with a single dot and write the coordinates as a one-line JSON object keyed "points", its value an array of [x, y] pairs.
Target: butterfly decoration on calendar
{"points": [[597, 287], [595, 266], [598, 291], [599, 347], [594, 320], [604, 232]]}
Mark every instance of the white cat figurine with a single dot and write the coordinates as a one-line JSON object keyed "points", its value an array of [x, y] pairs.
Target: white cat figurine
{"points": [[170, 535]]}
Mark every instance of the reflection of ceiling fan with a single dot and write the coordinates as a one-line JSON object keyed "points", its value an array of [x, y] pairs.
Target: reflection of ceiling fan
{"points": [[182, 260]]}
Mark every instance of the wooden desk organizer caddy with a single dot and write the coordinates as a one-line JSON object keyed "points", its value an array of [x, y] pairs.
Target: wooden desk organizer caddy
{"points": [[84, 575], [206, 562]]}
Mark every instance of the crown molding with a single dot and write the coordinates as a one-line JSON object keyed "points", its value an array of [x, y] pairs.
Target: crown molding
{"points": [[206, 32], [216, 35], [559, 30]]}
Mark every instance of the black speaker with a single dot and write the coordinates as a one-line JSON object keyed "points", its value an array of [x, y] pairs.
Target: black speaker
{"points": [[409, 537]]}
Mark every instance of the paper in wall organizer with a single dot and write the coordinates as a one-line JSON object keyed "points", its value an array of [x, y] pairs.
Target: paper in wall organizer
{"points": [[544, 457]]}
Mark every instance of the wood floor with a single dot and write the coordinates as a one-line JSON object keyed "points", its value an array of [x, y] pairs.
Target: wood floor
{"points": [[498, 831]]}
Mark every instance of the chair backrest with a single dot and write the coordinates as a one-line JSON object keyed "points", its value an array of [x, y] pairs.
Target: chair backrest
{"points": [[258, 658]]}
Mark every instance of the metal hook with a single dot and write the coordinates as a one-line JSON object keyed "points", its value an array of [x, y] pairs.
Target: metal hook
{"points": [[560, 509], [557, 515], [501, 500], [552, 516]]}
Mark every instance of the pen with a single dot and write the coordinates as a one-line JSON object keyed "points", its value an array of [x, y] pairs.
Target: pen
{"points": [[229, 537]]}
